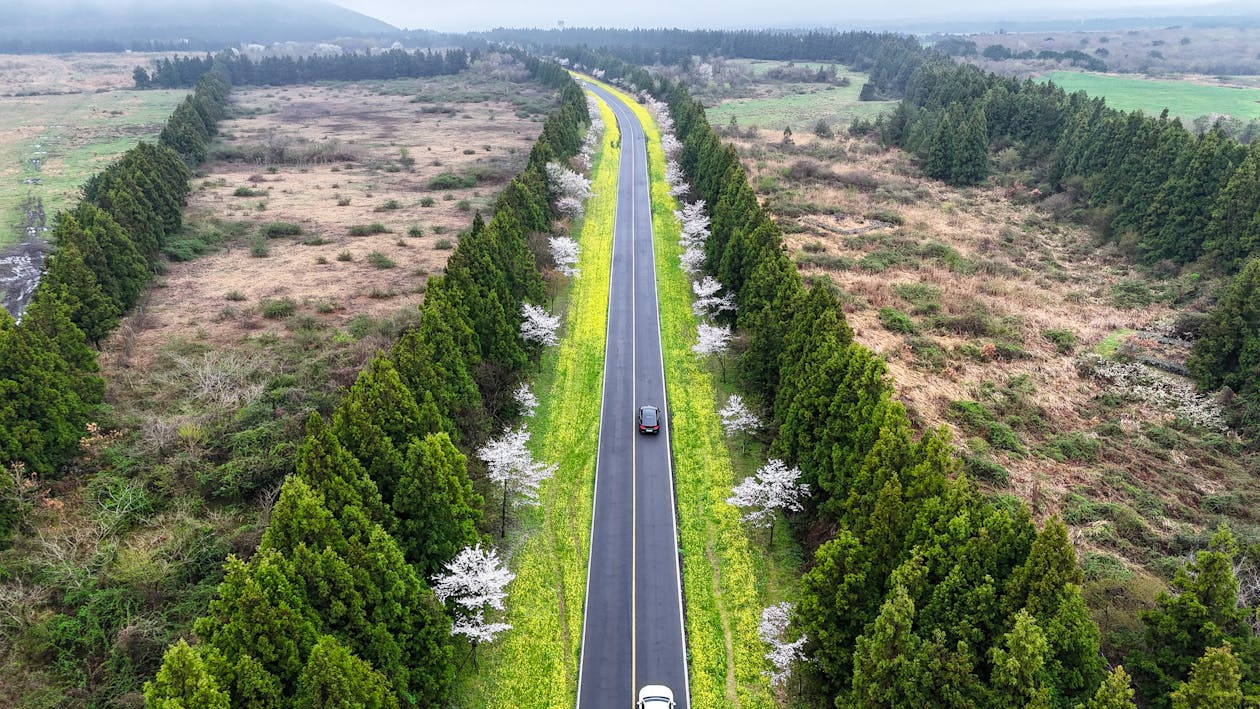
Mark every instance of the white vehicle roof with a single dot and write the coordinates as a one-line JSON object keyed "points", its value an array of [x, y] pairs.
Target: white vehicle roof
{"points": [[656, 691]]}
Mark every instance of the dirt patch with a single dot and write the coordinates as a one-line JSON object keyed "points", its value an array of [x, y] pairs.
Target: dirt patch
{"points": [[72, 73], [385, 150], [973, 297]]}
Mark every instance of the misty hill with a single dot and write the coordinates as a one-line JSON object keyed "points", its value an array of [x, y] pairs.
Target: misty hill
{"points": [[228, 21]]}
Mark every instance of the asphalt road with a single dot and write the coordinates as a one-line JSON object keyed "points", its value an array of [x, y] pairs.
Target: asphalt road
{"points": [[632, 631]]}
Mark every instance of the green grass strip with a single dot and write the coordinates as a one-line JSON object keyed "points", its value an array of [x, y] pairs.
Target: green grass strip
{"points": [[720, 581], [536, 663]]}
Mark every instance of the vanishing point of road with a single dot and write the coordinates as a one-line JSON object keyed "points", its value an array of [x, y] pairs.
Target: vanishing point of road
{"points": [[632, 631]]}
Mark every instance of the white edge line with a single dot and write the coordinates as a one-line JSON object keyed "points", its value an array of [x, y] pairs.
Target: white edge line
{"points": [[600, 438]]}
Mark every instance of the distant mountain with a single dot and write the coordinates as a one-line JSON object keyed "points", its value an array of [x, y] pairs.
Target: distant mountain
{"points": [[228, 21]]}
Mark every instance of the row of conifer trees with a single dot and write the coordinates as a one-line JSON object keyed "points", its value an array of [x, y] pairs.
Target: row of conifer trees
{"points": [[924, 590], [105, 251], [335, 608]]}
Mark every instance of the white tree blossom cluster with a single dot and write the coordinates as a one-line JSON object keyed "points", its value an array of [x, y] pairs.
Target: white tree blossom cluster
{"points": [[572, 190], [708, 301], [594, 134], [736, 418], [711, 339], [476, 582], [695, 233], [775, 487], [771, 630], [565, 251], [539, 326], [510, 463], [525, 399]]}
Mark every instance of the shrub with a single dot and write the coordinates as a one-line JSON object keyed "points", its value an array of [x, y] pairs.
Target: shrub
{"points": [[1131, 293], [1064, 340], [345, 256], [980, 468], [451, 181], [248, 192], [388, 206], [343, 201], [814, 247], [379, 294], [275, 229], [368, 229], [322, 261], [416, 230], [380, 260], [277, 308], [883, 215], [235, 296], [426, 202], [924, 298], [897, 321], [443, 245], [1075, 447], [315, 240], [463, 205], [975, 417], [258, 247]]}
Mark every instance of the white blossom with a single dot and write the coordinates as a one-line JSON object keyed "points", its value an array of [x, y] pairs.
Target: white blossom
{"points": [[510, 464], [736, 418], [564, 251], [707, 298], [774, 488], [474, 579], [571, 207], [675, 179], [538, 325], [774, 623], [671, 145], [476, 629], [711, 339], [692, 260], [567, 183], [525, 399], [694, 223]]}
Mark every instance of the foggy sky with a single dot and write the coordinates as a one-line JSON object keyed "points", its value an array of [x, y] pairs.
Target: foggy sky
{"points": [[465, 15]]}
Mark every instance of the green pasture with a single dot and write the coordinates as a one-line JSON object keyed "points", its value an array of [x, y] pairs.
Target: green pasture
{"points": [[802, 108], [1182, 98], [73, 136]]}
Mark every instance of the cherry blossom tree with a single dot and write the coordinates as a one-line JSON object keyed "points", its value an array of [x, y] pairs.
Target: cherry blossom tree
{"points": [[771, 630], [713, 340], [525, 399], [694, 222], [692, 260], [571, 189], [538, 326], [774, 488], [509, 463], [564, 251], [707, 299], [736, 418], [474, 581]]}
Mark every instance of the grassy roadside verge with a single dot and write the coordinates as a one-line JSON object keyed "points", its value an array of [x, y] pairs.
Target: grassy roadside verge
{"points": [[535, 664], [720, 580]]}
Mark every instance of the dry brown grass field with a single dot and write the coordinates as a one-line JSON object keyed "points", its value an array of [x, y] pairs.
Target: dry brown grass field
{"points": [[990, 313], [65, 73], [336, 161]]}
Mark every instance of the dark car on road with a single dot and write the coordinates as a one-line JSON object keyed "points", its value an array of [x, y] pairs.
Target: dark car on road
{"points": [[649, 419]]}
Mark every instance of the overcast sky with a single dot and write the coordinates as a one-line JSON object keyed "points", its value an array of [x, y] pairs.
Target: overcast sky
{"points": [[463, 15]]}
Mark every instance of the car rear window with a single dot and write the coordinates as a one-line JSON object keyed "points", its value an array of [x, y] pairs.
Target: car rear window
{"points": [[649, 416]]}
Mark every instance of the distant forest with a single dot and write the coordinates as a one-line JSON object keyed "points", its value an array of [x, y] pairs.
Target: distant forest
{"points": [[180, 72]]}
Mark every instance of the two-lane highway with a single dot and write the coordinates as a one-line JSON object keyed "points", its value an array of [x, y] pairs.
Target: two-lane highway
{"points": [[632, 631]]}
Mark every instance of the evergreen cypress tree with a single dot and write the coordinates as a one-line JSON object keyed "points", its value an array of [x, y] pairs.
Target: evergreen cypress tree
{"points": [[885, 673], [90, 308], [336, 474], [971, 151], [1233, 230], [183, 682], [1115, 692], [1213, 684], [376, 422], [1227, 352], [939, 161], [335, 678], [438, 511]]}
